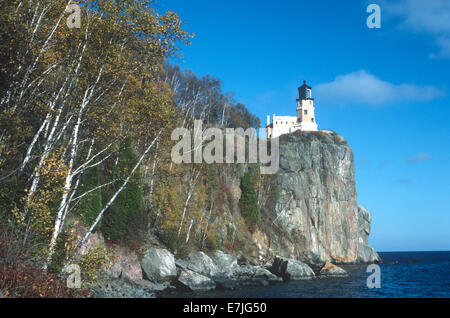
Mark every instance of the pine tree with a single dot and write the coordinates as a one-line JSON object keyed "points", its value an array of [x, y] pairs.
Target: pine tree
{"points": [[249, 199], [91, 204], [129, 204]]}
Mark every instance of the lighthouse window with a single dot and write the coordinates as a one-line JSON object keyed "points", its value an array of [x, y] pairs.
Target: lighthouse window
{"points": [[308, 93], [312, 119], [306, 112]]}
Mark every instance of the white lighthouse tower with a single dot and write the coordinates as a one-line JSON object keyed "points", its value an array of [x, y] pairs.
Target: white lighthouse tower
{"points": [[306, 120]]}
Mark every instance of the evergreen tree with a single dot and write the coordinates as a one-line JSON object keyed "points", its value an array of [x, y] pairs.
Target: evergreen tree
{"points": [[249, 199], [91, 204], [129, 204]]}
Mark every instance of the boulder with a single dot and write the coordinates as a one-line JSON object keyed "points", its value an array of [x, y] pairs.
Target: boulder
{"points": [[332, 271], [194, 281], [159, 265], [290, 269], [248, 275], [367, 254], [225, 263], [202, 264], [181, 265]]}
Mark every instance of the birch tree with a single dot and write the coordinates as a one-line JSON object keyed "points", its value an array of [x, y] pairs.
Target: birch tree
{"points": [[78, 93]]}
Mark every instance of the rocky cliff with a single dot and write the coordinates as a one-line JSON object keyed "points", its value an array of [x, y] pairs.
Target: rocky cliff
{"points": [[318, 205], [316, 222], [317, 218]]}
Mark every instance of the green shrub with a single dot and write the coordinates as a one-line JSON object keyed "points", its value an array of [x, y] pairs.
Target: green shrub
{"points": [[94, 263], [91, 204], [249, 199], [129, 203]]}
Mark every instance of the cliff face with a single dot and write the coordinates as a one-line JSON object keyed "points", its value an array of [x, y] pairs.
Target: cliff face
{"points": [[317, 218], [317, 204]]}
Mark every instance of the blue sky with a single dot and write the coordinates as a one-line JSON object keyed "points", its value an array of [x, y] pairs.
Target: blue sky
{"points": [[387, 91]]}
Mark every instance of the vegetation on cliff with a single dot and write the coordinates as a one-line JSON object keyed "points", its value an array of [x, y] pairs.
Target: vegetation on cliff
{"points": [[117, 223], [249, 198], [86, 116]]}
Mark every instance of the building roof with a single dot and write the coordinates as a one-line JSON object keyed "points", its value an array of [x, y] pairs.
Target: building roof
{"points": [[302, 92], [305, 85]]}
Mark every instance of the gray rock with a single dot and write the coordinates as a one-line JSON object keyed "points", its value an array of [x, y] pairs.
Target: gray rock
{"points": [[290, 269], [249, 275], [194, 281], [225, 263], [118, 288], [158, 265], [317, 207], [332, 271], [367, 254], [181, 264], [202, 264]]}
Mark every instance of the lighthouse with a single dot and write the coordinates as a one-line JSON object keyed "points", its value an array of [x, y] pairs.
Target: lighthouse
{"points": [[306, 120]]}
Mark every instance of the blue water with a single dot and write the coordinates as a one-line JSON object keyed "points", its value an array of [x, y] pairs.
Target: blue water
{"points": [[404, 275]]}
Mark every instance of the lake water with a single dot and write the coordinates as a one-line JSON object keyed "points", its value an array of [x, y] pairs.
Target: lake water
{"points": [[404, 275]]}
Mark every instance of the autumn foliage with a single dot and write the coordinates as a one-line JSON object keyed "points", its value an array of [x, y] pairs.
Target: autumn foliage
{"points": [[86, 117], [25, 281], [19, 279]]}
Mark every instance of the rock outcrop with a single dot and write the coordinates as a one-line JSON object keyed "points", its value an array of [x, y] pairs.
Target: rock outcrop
{"points": [[366, 254], [201, 263], [121, 288], [159, 265], [290, 269], [318, 208], [316, 223], [225, 263], [248, 275], [125, 264], [193, 281], [316, 218], [332, 271]]}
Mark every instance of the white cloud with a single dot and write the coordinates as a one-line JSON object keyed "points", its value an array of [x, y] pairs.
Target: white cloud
{"points": [[424, 16], [419, 158], [444, 44], [364, 88]]}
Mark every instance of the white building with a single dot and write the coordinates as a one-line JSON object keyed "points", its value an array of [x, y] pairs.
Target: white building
{"points": [[304, 121]]}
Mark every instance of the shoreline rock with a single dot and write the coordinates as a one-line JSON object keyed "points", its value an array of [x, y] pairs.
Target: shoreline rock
{"points": [[290, 269], [330, 270], [249, 275], [203, 273], [194, 281], [120, 288], [159, 266]]}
